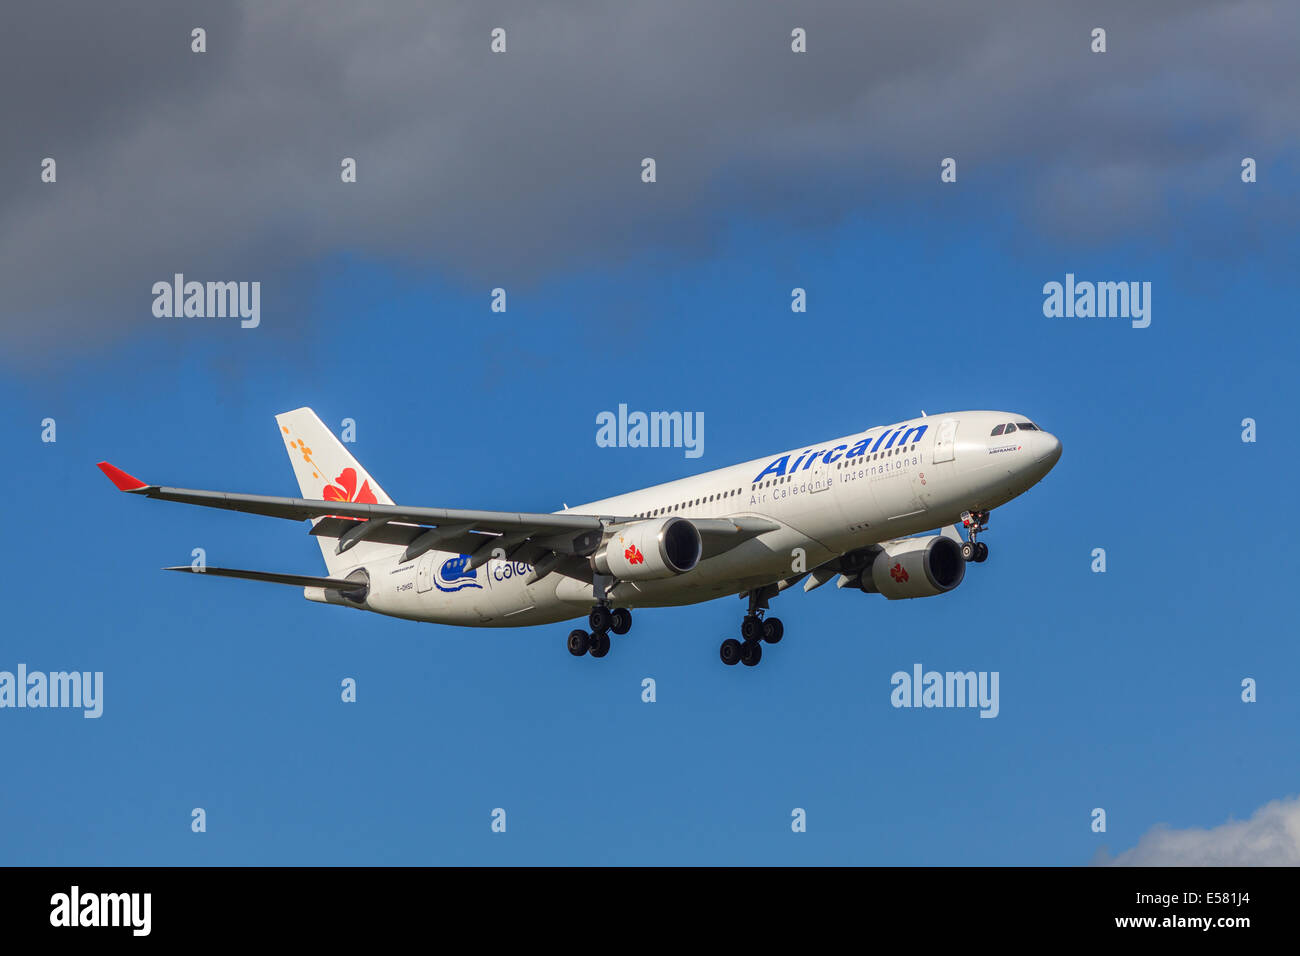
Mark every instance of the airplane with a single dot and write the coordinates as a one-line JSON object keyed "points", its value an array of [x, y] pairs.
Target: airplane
{"points": [[852, 509]]}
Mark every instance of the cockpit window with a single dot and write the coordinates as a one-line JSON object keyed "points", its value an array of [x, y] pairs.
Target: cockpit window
{"points": [[1027, 426], [998, 430], [1011, 426]]}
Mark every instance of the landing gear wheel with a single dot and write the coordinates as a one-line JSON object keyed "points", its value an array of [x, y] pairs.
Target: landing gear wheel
{"points": [[579, 643], [751, 652], [599, 645], [751, 628], [599, 619], [974, 550], [730, 652], [621, 620], [773, 630]]}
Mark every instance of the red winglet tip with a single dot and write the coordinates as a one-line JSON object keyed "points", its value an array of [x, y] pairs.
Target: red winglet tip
{"points": [[120, 478]]}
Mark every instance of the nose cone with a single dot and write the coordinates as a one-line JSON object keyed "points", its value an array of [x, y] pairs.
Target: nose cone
{"points": [[1048, 452]]}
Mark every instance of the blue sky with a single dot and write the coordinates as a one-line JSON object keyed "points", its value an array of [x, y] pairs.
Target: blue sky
{"points": [[1118, 690]]}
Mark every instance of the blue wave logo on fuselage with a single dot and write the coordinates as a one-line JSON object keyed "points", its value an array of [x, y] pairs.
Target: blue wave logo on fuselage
{"points": [[453, 575]]}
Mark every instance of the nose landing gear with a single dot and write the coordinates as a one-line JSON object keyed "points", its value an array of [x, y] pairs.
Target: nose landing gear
{"points": [[975, 522]]}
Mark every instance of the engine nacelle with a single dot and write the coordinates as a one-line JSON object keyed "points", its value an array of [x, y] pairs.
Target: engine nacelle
{"points": [[916, 567], [649, 550]]}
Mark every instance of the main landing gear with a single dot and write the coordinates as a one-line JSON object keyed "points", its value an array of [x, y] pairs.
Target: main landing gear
{"points": [[601, 620], [754, 629], [975, 522]]}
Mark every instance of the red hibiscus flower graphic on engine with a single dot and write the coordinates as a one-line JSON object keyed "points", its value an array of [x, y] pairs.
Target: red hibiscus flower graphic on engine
{"points": [[345, 489], [634, 556], [897, 573]]}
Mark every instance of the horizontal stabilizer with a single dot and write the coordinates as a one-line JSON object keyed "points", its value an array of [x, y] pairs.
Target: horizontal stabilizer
{"points": [[297, 580]]}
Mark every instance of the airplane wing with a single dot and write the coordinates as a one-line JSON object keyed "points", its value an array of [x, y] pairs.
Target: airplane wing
{"points": [[420, 529], [522, 536]]}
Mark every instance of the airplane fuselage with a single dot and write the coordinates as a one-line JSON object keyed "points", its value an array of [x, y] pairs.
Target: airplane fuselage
{"points": [[825, 499]]}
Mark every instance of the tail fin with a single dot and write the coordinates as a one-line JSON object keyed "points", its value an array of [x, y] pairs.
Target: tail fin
{"points": [[327, 471]]}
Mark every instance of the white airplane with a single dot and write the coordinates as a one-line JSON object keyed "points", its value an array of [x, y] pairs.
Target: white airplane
{"points": [[842, 509]]}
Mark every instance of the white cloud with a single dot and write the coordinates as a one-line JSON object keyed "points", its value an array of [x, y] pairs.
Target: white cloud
{"points": [[1271, 837]]}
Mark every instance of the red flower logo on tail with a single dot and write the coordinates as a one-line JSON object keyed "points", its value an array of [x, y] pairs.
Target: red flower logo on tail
{"points": [[634, 556], [897, 573], [345, 489]]}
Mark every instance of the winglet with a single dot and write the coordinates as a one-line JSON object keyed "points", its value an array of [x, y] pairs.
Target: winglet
{"points": [[120, 478]]}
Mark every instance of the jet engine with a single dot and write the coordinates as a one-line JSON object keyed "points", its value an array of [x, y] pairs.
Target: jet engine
{"points": [[648, 550], [915, 567]]}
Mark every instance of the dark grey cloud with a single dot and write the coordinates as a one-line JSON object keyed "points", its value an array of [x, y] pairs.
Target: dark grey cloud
{"points": [[495, 168]]}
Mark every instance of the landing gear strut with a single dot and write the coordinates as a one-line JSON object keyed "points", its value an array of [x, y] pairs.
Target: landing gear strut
{"points": [[602, 620], [755, 629], [975, 522]]}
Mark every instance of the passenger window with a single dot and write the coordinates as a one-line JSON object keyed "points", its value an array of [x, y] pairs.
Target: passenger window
{"points": [[1011, 426], [998, 430]]}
